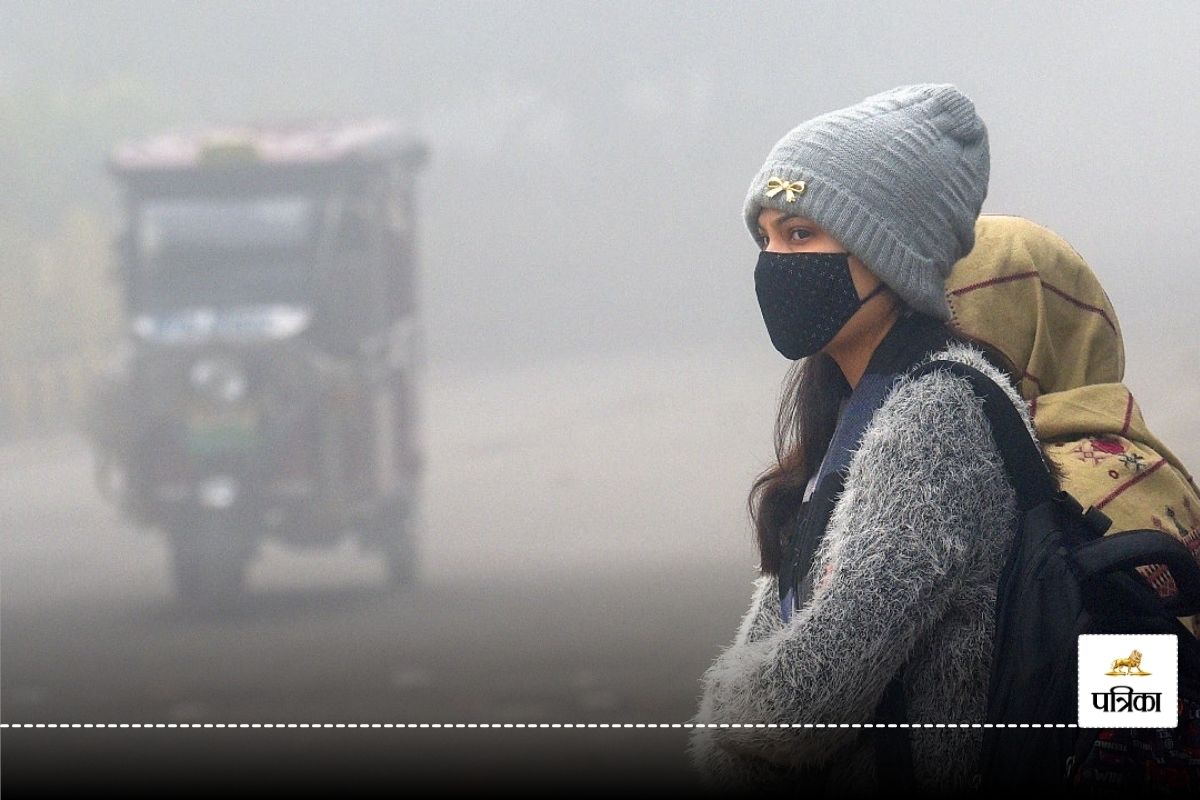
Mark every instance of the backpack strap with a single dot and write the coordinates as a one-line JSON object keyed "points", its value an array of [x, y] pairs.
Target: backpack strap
{"points": [[893, 749], [1035, 485], [1023, 461], [1128, 549]]}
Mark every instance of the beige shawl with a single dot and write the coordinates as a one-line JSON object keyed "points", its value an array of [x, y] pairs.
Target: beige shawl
{"points": [[1025, 291]]}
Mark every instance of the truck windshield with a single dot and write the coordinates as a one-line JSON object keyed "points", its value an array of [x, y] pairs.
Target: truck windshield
{"points": [[224, 250]]}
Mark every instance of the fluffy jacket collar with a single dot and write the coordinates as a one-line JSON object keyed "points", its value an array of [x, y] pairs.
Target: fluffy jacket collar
{"points": [[914, 339]]}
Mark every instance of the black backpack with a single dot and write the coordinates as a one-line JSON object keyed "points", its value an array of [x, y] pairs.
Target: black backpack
{"points": [[1063, 578]]}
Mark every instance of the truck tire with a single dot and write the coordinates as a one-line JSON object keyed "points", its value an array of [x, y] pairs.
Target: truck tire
{"points": [[401, 554], [394, 534], [209, 560]]}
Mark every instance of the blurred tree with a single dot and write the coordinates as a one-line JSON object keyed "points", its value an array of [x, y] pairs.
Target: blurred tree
{"points": [[58, 305]]}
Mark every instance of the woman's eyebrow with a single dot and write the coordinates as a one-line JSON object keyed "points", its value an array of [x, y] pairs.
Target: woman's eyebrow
{"points": [[784, 218], [789, 218]]}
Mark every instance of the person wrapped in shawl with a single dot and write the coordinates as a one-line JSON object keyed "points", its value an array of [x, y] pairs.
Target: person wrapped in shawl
{"points": [[1028, 293]]}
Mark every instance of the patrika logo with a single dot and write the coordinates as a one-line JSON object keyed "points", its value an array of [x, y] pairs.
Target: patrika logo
{"points": [[1125, 666], [1113, 698]]}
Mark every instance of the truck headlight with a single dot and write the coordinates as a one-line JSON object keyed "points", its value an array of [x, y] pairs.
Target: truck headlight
{"points": [[218, 492], [219, 380]]}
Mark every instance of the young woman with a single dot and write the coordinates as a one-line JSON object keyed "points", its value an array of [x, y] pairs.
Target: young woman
{"points": [[883, 526]]}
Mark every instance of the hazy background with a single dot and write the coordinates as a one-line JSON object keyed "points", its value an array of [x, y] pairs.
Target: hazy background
{"points": [[600, 389]]}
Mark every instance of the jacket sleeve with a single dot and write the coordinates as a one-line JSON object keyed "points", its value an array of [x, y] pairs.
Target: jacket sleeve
{"points": [[921, 491], [720, 767]]}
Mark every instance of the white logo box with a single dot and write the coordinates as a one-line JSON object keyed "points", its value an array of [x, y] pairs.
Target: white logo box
{"points": [[1143, 694]]}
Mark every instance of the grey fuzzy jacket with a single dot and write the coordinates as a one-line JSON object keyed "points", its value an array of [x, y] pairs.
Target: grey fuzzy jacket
{"points": [[911, 557]]}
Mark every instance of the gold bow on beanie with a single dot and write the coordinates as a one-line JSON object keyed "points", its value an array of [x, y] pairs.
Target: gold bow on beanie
{"points": [[792, 188]]}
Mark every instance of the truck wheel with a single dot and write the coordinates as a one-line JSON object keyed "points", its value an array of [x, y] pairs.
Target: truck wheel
{"points": [[394, 534], [401, 558], [209, 561]]}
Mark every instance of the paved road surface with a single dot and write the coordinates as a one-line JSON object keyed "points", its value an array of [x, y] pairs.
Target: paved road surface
{"points": [[585, 554]]}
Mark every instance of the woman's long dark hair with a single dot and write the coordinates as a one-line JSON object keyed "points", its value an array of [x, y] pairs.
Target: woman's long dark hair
{"points": [[812, 392]]}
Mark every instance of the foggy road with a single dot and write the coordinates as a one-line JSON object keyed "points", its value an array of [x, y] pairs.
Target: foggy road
{"points": [[585, 553]]}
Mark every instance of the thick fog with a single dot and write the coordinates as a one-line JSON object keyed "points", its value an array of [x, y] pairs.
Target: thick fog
{"points": [[599, 389], [589, 160]]}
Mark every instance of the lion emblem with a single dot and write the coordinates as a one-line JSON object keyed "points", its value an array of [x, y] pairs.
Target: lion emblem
{"points": [[1126, 666]]}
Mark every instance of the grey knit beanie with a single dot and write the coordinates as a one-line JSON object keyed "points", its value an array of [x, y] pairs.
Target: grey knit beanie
{"points": [[898, 179]]}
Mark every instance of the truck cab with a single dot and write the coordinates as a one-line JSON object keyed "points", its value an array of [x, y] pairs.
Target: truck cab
{"points": [[267, 383]]}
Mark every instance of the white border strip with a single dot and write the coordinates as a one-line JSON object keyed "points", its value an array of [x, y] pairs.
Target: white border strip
{"points": [[534, 725]]}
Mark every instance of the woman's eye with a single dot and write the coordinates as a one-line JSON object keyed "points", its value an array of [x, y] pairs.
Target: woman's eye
{"points": [[799, 234]]}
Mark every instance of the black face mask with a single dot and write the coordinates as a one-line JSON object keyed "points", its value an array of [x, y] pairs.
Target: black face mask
{"points": [[805, 298]]}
